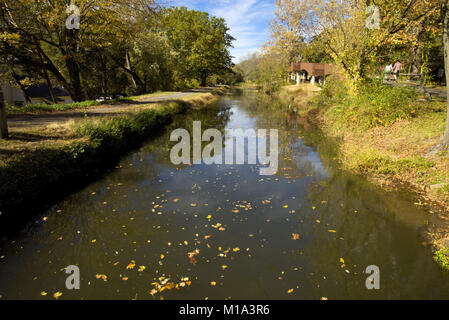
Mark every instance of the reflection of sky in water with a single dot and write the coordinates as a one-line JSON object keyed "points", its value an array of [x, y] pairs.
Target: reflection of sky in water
{"points": [[304, 157], [307, 157]]}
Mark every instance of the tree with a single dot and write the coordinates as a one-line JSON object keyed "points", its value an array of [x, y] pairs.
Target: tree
{"points": [[39, 27], [201, 43], [3, 121], [445, 21], [290, 27]]}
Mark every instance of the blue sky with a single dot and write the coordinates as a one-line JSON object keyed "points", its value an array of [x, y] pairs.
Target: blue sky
{"points": [[247, 19]]}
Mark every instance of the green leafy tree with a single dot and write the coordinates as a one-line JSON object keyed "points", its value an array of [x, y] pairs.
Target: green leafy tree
{"points": [[201, 43]]}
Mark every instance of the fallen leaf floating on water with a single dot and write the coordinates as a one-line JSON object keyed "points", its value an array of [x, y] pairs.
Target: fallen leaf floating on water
{"points": [[176, 200], [295, 236], [102, 276], [213, 283], [193, 253], [43, 293], [57, 295], [332, 231], [224, 267], [131, 265], [142, 268], [290, 291]]}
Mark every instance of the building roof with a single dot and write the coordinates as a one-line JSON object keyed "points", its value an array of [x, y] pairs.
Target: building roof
{"points": [[313, 69]]}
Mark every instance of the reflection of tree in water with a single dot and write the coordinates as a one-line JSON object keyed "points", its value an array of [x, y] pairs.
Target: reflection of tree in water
{"points": [[215, 116], [372, 227], [295, 153]]}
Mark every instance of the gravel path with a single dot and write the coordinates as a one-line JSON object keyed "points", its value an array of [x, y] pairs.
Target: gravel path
{"points": [[61, 117]]}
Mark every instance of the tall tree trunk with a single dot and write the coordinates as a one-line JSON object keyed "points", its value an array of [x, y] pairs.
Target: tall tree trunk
{"points": [[445, 20], [3, 121], [137, 81], [130, 68], [22, 88], [50, 87], [105, 74], [46, 76], [204, 79], [75, 87]]}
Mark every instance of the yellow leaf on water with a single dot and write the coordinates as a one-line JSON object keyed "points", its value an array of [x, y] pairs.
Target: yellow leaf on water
{"points": [[153, 292], [162, 257], [332, 231], [101, 276], [213, 283], [57, 295], [43, 293], [290, 291], [224, 267], [342, 260], [131, 265]]}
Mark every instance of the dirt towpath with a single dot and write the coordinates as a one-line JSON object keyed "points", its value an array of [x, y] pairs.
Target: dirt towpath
{"points": [[44, 119]]}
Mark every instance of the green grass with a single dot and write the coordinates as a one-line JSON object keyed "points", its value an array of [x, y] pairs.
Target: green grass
{"points": [[375, 105], [442, 258], [373, 162], [43, 107]]}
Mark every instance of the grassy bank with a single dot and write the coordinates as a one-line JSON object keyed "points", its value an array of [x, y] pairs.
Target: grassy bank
{"points": [[39, 166], [384, 133]]}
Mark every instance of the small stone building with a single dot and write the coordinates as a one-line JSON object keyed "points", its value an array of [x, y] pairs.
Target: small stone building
{"points": [[307, 71]]}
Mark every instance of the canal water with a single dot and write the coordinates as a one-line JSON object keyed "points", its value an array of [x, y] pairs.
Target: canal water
{"points": [[153, 230]]}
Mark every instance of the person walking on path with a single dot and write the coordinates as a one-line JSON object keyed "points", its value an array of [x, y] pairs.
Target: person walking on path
{"points": [[388, 69], [397, 69]]}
